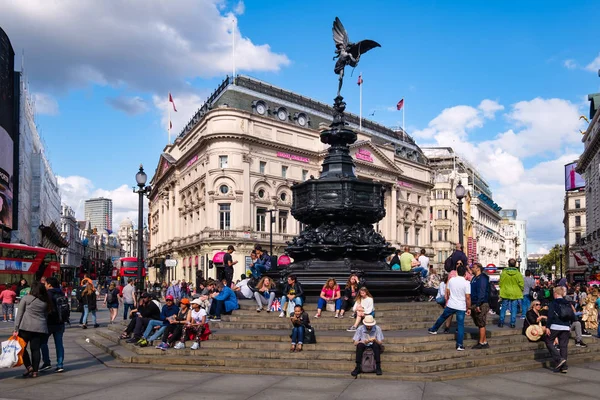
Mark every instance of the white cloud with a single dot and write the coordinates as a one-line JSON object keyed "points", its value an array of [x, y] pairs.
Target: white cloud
{"points": [[540, 129], [76, 189], [570, 64], [45, 104], [240, 8], [129, 105], [594, 66], [187, 104], [148, 45]]}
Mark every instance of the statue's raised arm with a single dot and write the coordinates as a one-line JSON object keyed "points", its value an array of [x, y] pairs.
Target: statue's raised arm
{"points": [[347, 53]]}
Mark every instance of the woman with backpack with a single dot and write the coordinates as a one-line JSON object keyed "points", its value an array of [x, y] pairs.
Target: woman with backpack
{"points": [[558, 325], [111, 300], [88, 298], [32, 325]]}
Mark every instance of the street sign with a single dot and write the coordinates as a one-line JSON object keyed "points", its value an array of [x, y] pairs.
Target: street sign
{"points": [[171, 263]]}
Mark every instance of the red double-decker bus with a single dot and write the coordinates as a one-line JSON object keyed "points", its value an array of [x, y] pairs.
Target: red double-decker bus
{"points": [[18, 261], [125, 268]]}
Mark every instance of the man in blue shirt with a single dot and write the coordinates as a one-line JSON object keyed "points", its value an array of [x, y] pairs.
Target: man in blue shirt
{"points": [[480, 297]]}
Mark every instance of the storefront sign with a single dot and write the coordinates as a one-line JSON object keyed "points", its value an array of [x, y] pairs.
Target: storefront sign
{"points": [[365, 155], [292, 157], [578, 277], [405, 184], [192, 160]]}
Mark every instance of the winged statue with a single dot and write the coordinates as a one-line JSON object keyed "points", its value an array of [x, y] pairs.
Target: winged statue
{"points": [[347, 53]]}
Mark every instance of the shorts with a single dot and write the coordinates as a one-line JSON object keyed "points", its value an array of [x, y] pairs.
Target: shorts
{"points": [[113, 305], [8, 308], [480, 318]]}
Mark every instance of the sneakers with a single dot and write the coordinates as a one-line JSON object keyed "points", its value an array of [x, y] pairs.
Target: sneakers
{"points": [[214, 319], [586, 334], [356, 371], [317, 315], [59, 370], [282, 314], [351, 329], [45, 367], [179, 346], [163, 346], [378, 370], [512, 326], [501, 325], [446, 331], [564, 369], [195, 346], [577, 344], [142, 342], [480, 346], [560, 365], [259, 309], [460, 348], [431, 331]]}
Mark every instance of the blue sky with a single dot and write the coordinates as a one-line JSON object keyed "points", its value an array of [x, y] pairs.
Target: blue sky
{"points": [[100, 75]]}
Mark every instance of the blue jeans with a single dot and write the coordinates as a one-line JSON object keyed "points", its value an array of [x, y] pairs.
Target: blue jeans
{"points": [[422, 270], [284, 300], [513, 310], [126, 308], [298, 334], [525, 304], [86, 312], [258, 270], [321, 304], [460, 320], [58, 344], [150, 328]]}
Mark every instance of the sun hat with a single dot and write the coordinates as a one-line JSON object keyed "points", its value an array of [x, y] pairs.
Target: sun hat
{"points": [[197, 301], [534, 332], [185, 301], [369, 320]]}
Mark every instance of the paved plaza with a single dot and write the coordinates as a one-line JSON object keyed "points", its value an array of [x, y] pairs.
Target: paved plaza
{"points": [[87, 377]]}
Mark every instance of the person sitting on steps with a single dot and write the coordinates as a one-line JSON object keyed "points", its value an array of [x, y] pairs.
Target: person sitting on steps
{"points": [[299, 323], [350, 293], [363, 306], [330, 292], [292, 292], [265, 293], [176, 325], [368, 335]]}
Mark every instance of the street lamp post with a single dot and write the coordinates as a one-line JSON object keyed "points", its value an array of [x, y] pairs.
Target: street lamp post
{"points": [[560, 263], [460, 192], [142, 190], [519, 262]]}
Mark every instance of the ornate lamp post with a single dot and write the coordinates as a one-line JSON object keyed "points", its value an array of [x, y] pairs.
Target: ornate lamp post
{"points": [[519, 262], [460, 192], [142, 190]]}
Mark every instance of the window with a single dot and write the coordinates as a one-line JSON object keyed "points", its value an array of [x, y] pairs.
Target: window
{"points": [[406, 232], [445, 214], [438, 194], [224, 189], [445, 194], [440, 259], [225, 216], [261, 219], [418, 199], [284, 170], [577, 238], [577, 220], [417, 232], [446, 235], [440, 235], [283, 216], [261, 193], [304, 175], [439, 214], [283, 196], [577, 203], [222, 161], [262, 167]]}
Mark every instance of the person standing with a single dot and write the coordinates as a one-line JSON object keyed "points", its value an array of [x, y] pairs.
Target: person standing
{"points": [[480, 295], [32, 325], [559, 326], [228, 264], [111, 300], [511, 292], [129, 300], [88, 297], [529, 283], [8, 303], [56, 326], [458, 301]]}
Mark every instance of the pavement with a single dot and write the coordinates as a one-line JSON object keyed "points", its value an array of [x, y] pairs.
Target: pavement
{"points": [[88, 377]]}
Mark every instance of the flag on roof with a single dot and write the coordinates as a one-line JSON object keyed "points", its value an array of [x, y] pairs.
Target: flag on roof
{"points": [[400, 105]]}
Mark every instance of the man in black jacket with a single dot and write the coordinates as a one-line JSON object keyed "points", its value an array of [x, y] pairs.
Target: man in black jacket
{"points": [[56, 328], [559, 326], [147, 310], [459, 255]]}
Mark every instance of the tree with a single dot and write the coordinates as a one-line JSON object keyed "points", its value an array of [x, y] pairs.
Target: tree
{"points": [[554, 258]]}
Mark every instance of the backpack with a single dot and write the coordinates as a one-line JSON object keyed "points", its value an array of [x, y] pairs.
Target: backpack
{"points": [[448, 267], [62, 309], [565, 312], [110, 297], [267, 262], [368, 364]]}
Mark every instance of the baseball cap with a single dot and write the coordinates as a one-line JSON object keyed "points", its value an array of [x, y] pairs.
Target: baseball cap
{"points": [[185, 301], [169, 297]]}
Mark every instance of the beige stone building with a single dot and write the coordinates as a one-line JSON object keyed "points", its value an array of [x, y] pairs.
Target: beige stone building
{"points": [[574, 222], [234, 164]]}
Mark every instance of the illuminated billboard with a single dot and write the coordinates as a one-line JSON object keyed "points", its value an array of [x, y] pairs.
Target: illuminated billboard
{"points": [[573, 180], [7, 131]]}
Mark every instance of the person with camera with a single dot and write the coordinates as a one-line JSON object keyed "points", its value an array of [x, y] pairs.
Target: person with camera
{"points": [[368, 335]]}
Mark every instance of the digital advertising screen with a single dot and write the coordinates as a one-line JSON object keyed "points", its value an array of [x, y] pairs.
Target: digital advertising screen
{"points": [[573, 180], [7, 127]]}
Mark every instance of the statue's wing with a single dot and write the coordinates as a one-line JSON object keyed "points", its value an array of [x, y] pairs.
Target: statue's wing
{"points": [[362, 47], [340, 37]]}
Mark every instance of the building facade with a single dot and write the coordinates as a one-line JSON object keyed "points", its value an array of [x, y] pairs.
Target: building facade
{"points": [[515, 233], [587, 166], [574, 222], [99, 212], [39, 197], [71, 256], [128, 239], [233, 167]]}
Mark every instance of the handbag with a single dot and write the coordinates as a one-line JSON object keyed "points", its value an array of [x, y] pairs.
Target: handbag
{"points": [[12, 352], [309, 335], [330, 307]]}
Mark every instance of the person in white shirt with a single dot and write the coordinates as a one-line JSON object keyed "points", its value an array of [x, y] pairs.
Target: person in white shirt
{"points": [[423, 264], [242, 290], [458, 301], [362, 306], [196, 326]]}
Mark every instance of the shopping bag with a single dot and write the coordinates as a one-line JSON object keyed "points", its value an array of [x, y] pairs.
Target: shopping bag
{"points": [[309, 335], [290, 308], [330, 307], [276, 305], [12, 351]]}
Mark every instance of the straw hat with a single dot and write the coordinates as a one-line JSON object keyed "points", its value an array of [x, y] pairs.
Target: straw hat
{"points": [[369, 320], [534, 332]]}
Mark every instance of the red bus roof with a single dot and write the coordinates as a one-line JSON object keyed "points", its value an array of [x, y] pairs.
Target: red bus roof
{"points": [[128, 259], [26, 247]]}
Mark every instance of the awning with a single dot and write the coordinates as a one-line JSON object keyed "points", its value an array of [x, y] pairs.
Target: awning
{"points": [[218, 258], [190, 262], [284, 260]]}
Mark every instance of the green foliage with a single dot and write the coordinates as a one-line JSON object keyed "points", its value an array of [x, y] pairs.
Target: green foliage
{"points": [[553, 258]]}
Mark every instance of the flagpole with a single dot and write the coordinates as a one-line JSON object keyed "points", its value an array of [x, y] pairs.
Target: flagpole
{"points": [[403, 107], [169, 113], [360, 102], [233, 48]]}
